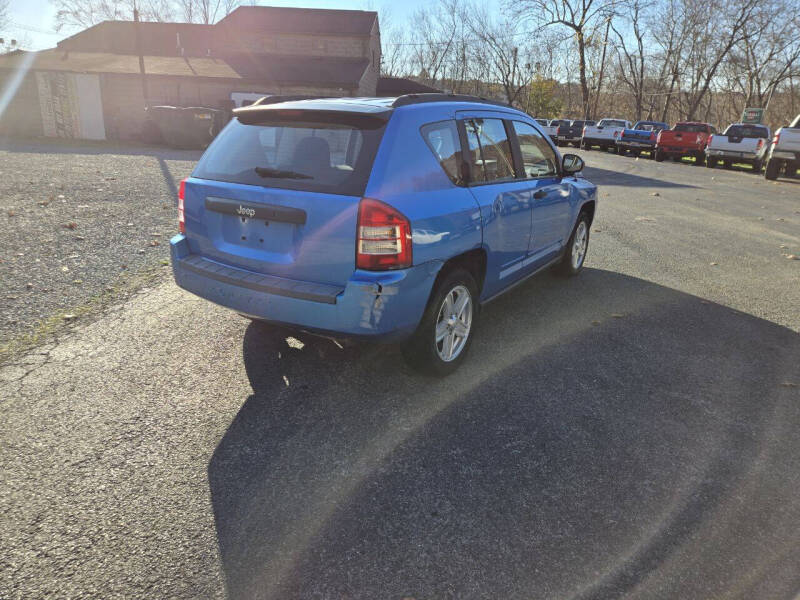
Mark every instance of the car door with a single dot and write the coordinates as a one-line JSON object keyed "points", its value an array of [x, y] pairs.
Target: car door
{"points": [[551, 209], [504, 198]]}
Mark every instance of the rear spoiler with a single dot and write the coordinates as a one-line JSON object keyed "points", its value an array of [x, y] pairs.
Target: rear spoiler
{"points": [[285, 108]]}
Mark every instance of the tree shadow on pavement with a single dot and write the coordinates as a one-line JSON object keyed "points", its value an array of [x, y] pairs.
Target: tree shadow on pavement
{"points": [[88, 147], [607, 177], [605, 435]]}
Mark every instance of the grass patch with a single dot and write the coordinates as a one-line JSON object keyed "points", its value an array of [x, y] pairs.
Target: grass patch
{"points": [[45, 330]]}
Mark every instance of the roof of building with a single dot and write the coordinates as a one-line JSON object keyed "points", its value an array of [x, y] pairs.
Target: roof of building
{"points": [[397, 86], [158, 39], [279, 69], [279, 19]]}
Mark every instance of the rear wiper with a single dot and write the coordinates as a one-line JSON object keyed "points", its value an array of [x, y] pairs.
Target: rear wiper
{"points": [[279, 174]]}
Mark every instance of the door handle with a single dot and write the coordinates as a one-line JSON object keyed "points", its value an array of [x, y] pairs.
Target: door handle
{"points": [[539, 194]]}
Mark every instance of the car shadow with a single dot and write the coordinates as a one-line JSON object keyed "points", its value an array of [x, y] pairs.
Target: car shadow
{"points": [[599, 426], [607, 177]]}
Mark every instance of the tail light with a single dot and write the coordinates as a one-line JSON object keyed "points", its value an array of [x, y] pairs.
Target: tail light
{"points": [[616, 134], [558, 130], [711, 137], [776, 139], [652, 136], [383, 237], [181, 212], [760, 144], [583, 131]]}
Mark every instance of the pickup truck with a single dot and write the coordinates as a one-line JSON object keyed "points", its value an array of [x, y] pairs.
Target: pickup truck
{"points": [[572, 133], [688, 138], [553, 126], [642, 138], [741, 143], [604, 134], [784, 151]]}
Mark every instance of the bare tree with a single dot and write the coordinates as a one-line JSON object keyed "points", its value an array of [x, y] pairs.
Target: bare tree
{"points": [[205, 11], [578, 16], [631, 57], [85, 13]]}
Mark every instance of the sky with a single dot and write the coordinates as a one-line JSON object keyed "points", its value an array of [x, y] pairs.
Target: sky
{"points": [[32, 21]]}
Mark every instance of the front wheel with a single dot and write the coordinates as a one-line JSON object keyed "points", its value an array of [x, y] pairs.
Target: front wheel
{"points": [[577, 246], [444, 334]]}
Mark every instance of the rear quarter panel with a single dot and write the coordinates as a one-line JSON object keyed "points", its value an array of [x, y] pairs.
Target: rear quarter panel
{"points": [[445, 219]]}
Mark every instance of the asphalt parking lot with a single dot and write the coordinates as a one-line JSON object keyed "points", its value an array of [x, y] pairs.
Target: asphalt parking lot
{"points": [[631, 432]]}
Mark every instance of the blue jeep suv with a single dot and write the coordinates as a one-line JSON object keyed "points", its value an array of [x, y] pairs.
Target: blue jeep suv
{"points": [[390, 218]]}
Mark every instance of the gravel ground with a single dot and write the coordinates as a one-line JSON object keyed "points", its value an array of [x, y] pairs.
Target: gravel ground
{"points": [[76, 219]]}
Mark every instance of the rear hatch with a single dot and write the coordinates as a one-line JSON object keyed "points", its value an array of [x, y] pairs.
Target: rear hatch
{"points": [[741, 138], [278, 192], [683, 136]]}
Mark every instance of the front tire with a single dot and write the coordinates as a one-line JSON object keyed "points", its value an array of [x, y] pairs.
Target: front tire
{"points": [[445, 332], [577, 246]]}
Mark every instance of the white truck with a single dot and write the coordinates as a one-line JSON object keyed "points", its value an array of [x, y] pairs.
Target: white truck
{"points": [[605, 134], [784, 153], [740, 143]]}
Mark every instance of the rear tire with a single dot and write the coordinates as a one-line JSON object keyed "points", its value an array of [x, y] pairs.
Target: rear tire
{"points": [[659, 155], [577, 247], [771, 172], [757, 166], [585, 146], [452, 309], [726, 164], [711, 163]]}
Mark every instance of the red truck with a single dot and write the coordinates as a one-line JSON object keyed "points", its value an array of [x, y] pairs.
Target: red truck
{"points": [[688, 138]]}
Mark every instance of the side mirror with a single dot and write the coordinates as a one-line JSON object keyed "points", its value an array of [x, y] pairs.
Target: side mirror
{"points": [[571, 164]]}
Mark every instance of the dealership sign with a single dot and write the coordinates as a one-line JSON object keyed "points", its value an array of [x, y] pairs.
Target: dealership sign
{"points": [[752, 115]]}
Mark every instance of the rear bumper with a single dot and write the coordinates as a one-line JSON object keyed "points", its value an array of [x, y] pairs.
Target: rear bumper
{"points": [[678, 151], [590, 141], [636, 145], [745, 156], [378, 305], [785, 155]]}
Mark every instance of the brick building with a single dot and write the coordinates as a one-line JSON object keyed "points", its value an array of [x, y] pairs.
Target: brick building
{"points": [[90, 86]]}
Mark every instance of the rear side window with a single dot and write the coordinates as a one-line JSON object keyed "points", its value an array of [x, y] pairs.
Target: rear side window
{"points": [[538, 157], [747, 131], [612, 123], [582, 123], [321, 156], [490, 150], [442, 139]]}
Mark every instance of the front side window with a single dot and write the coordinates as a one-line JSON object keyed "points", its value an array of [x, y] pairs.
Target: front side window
{"points": [[490, 150], [442, 139], [538, 157]]}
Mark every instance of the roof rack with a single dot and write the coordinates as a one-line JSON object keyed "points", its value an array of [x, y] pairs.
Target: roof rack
{"points": [[433, 97]]}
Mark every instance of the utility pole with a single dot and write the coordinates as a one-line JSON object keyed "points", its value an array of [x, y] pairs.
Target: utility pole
{"points": [[141, 56]]}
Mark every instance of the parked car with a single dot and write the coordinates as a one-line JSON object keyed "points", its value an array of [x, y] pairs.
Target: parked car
{"points": [[741, 143], [641, 138], [552, 128], [604, 134], [572, 133], [379, 218], [688, 138], [543, 122], [784, 152]]}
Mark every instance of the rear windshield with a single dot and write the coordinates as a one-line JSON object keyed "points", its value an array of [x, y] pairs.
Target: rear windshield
{"points": [[747, 131], [559, 123], [582, 123], [325, 157], [649, 126], [690, 128], [612, 123]]}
